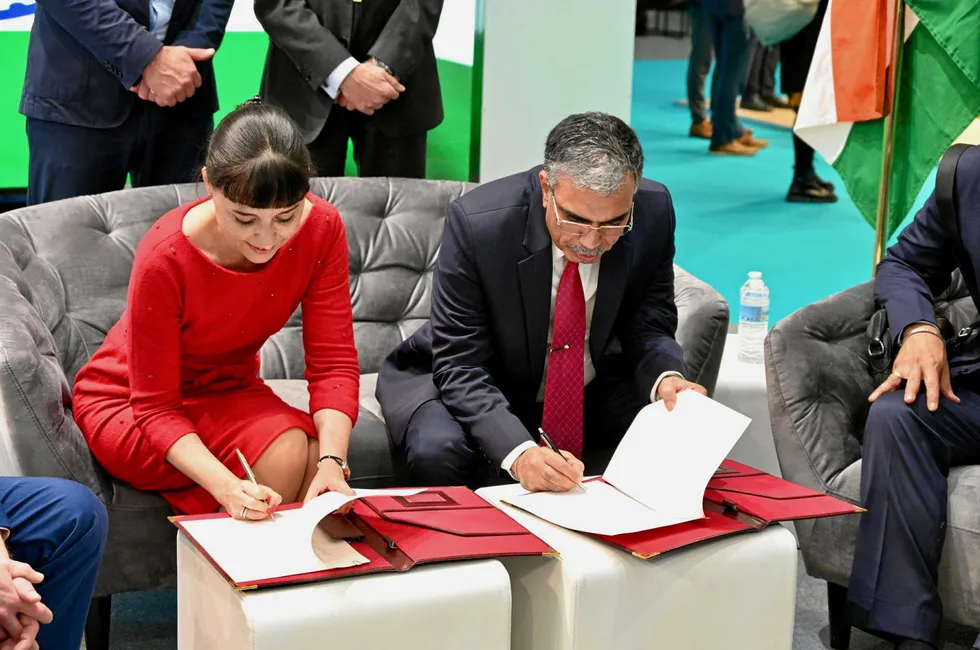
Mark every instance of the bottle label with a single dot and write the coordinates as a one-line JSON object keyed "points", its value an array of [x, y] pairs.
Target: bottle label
{"points": [[753, 313]]}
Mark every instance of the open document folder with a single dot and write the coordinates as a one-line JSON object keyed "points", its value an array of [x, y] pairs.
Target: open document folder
{"points": [[384, 530], [657, 476]]}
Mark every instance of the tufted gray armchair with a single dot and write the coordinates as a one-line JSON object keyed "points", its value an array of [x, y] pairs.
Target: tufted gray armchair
{"points": [[818, 383], [64, 271]]}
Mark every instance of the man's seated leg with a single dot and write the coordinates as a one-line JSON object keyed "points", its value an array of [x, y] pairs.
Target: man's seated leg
{"points": [[906, 455], [438, 451], [59, 528]]}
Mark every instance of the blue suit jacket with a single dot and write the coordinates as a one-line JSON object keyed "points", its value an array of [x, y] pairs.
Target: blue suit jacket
{"points": [[483, 350], [917, 269], [85, 55]]}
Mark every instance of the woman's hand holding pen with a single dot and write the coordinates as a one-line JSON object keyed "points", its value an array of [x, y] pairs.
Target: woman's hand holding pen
{"points": [[247, 500], [540, 469]]}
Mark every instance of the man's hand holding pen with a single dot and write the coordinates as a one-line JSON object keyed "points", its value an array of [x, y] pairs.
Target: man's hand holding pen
{"points": [[547, 469]]}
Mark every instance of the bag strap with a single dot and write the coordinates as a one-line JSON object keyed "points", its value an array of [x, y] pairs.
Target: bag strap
{"points": [[946, 202]]}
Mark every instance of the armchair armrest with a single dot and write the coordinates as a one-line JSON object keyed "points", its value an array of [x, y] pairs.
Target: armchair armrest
{"points": [[702, 327], [818, 384], [38, 436]]}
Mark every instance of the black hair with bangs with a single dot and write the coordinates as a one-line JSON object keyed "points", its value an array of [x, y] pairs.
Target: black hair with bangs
{"points": [[256, 157]]}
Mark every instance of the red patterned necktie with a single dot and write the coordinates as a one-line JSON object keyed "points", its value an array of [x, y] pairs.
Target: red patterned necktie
{"points": [[564, 389]]}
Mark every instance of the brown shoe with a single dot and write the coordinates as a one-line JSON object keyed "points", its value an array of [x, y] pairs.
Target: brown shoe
{"points": [[748, 140], [702, 130], [733, 148]]}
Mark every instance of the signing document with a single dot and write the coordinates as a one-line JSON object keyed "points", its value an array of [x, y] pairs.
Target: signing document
{"points": [[657, 476], [291, 544]]}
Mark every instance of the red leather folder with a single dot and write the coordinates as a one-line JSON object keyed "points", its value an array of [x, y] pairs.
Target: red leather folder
{"points": [[738, 499], [398, 533]]}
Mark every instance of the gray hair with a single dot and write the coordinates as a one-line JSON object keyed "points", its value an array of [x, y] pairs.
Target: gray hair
{"points": [[594, 151]]}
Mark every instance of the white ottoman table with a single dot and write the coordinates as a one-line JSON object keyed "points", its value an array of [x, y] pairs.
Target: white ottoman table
{"points": [[733, 593], [439, 607]]}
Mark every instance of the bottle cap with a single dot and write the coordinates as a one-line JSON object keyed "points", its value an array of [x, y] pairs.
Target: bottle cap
{"points": [[755, 275]]}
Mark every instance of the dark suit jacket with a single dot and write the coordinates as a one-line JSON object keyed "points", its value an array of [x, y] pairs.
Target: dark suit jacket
{"points": [[310, 38], [85, 55], [483, 350], [916, 270]]}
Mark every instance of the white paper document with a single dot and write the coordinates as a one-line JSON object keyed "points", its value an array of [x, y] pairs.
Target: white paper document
{"points": [[656, 477], [291, 544]]}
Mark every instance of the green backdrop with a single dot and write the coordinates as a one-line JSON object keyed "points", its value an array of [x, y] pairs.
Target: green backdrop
{"points": [[238, 67]]}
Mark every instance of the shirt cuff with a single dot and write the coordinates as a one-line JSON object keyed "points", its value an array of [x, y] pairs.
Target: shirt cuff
{"points": [[332, 87], [512, 456], [656, 384]]}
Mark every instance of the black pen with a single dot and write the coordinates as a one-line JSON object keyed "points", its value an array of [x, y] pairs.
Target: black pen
{"points": [[554, 448]]}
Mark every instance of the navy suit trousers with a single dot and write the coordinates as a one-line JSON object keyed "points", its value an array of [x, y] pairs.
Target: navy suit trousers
{"points": [[153, 146], [906, 457], [59, 528]]}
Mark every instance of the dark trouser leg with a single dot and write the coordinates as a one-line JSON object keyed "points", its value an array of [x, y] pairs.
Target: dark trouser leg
{"points": [[767, 75], [731, 40], [906, 456], [174, 147], [67, 161], [699, 64], [611, 405], [329, 149], [802, 158], [379, 155], [59, 528], [753, 74], [438, 452]]}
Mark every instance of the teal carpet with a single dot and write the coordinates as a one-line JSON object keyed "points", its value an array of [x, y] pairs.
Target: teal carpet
{"points": [[732, 216]]}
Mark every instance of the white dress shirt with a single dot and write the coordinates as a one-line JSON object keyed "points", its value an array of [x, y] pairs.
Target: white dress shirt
{"points": [[589, 274], [160, 12], [332, 87]]}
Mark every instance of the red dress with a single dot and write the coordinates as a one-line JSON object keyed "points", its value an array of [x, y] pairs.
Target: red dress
{"points": [[183, 357]]}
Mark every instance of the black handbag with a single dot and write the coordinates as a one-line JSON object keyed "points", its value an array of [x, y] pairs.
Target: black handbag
{"points": [[881, 352]]}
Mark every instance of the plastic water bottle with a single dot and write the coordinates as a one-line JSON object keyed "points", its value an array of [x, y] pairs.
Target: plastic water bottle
{"points": [[753, 318]]}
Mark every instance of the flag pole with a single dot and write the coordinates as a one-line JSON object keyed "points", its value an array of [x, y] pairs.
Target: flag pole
{"points": [[891, 91]]}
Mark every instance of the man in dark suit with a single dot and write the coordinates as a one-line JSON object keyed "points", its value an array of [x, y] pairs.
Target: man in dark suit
{"points": [[360, 71], [913, 437], [552, 307], [119, 87]]}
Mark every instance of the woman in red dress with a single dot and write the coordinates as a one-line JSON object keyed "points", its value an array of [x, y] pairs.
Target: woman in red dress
{"points": [[174, 390]]}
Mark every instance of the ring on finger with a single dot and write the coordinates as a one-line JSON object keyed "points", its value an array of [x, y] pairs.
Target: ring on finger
{"points": [[244, 511], [896, 374]]}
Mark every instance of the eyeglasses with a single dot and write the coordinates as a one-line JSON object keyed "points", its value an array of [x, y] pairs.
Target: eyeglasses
{"points": [[576, 228]]}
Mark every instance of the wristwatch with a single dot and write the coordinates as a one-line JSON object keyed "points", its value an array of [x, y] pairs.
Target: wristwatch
{"points": [[340, 461]]}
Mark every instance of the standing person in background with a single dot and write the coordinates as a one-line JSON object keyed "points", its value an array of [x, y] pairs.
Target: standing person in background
{"points": [[797, 53], [360, 71], [119, 88], [731, 39], [698, 66], [760, 82]]}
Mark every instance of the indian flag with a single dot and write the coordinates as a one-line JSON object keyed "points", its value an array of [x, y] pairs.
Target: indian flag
{"points": [[844, 103]]}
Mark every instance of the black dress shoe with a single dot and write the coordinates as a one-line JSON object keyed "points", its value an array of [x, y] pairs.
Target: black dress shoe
{"points": [[808, 190], [775, 101], [754, 103]]}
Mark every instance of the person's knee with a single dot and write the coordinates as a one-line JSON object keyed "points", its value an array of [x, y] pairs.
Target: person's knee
{"points": [[84, 517], [892, 421], [437, 451], [287, 456]]}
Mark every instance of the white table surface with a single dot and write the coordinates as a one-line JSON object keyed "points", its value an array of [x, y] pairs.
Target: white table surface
{"points": [[730, 594]]}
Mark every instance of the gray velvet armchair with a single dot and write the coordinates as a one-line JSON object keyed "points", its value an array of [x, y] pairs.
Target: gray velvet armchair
{"points": [[818, 384], [64, 270]]}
